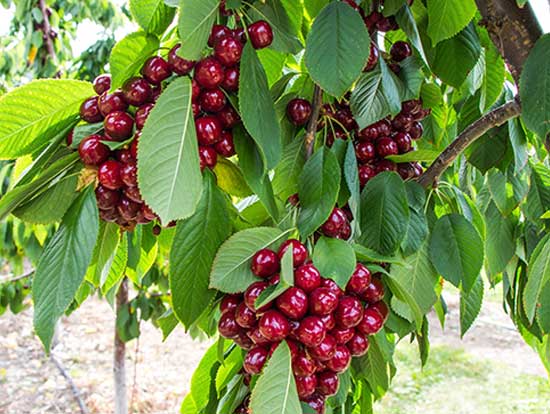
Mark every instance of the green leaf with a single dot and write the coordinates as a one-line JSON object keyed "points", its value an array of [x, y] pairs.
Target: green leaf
{"points": [[117, 270], [195, 24], [33, 114], [104, 251], [193, 250], [153, 16], [335, 260], [230, 178], [337, 48], [412, 78], [167, 323], [407, 23], [494, 73], [318, 189], [286, 281], [500, 243], [365, 254], [82, 131], [168, 161], [202, 378], [448, 17], [129, 55], [231, 269], [351, 175], [287, 172], [538, 198], [470, 306], [421, 155], [374, 368], [538, 277], [63, 264], [535, 96], [257, 108], [518, 140], [384, 213], [456, 250], [275, 392]]}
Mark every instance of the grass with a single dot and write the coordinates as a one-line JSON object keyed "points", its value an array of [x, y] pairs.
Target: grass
{"points": [[458, 383]]}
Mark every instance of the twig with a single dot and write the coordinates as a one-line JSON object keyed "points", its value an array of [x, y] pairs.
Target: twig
{"points": [[493, 119], [76, 392], [47, 30], [17, 278], [314, 120]]}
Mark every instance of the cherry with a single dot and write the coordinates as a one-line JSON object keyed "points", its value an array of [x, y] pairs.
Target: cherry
{"points": [[229, 303], [265, 263], [405, 170], [109, 175], [179, 65], [245, 317], [225, 147], [274, 326], [411, 107], [89, 110], [209, 129], [349, 312], [329, 321], [345, 117], [328, 383], [298, 111], [365, 151], [293, 303], [110, 216], [385, 25], [311, 331], [155, 70], [403, 141], [358, 345], [385, 165], [372, 19], [252, 293], [106, 199], [374, 56], [416, 130], [134, 145], [133, 194], [228, 51], [386, 146], [209, 73], [293, 346], [342, 335], [353, 4], [255, 360], [359, 281], [371, 323], [218, 32], [231, 80], [228, 117], [196, 109], [400, 51], [102, 84], [317, 402], [325, 350], [208, 157], [128, 209], [375, 291], [341, 359], [345, 232], [274, 280], [118, 125], [303, 365], [322, 301], [195, 90], [332, 286], [402, 122], [142, 114], [128, 174], [307, 277], [369, 133], [137, 91], [212, 100], [111, 102], [261, 34], [148, 213], [306, 385], [256, 337], [92, 151], [227, 326], [381, 308], [124, 156], [366, 172], [299, 252], [243, 341], [240, 34]]}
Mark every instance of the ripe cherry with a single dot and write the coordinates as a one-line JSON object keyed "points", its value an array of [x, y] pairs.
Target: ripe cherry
{"points": [[332, 286], [209, 129], [360, 280], [240, 35], [342, 335], [274, 326], [128, 209], [386, 146], [317, 402], [253, 292], [212, 100], [255, 360], [142, 114], [369, 133], [228, 51], [133, 194], [209, 73], [345, 232], [245, 317], [375, 291], [328, 383], [128, 174], [381, 308], [92, 151], [102, 84], [306, 385], [231, 80], [345, 117], [111, 102], [179, 65], [226, 147], [412, 106], [307, 277], [106, 199], [402, 122], [299, 252], [322, 302], [311, 331], [227, 326], [229, 303], [341, 359], [137, 91], [403, 141], [349, 312], [208, 157], [265, 263], [371, 323], [416, 130], [89, 110], [155, 70], [118, 125], [243, 340], [217, 33], [124, 156], [400, 51], [293, 303], [334, 223], [329, 321], [358, 345], [366, 172], [385, 165], [365, 151], [325, 350], [303, 365], [109, 175], [405, 170], [148, 213], [228, 117], [298, 111], [261, 34], [256, 337]]}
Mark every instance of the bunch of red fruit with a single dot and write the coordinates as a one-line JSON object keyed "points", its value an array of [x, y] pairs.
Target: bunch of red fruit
{"points": [[124, 112], [323, 325]]}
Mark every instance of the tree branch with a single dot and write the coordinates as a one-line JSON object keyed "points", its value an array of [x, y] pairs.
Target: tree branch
{"points": [[47, 30], [17, 278], [493, 119], [314, 120], [74, 388]]}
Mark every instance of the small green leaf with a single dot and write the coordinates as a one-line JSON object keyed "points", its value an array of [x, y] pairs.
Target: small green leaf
{"points": [[538, 277], [230, 178], [364, 254], [421, 155], [286, 281], [105, 247], [335, 259], [448, 17], [470, 306], [287, 172], [195, 24], [153, 16]]}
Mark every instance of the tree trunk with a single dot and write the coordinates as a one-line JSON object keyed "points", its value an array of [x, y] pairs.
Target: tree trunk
{"points": [[119, 365]]}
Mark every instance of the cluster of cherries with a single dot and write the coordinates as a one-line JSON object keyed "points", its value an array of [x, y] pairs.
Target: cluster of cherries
{"points": [[124, 112], [323, 325]]}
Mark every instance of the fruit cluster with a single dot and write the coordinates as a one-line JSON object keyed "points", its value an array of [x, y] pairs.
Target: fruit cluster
{"points": [[323, 325], [124, 112]]}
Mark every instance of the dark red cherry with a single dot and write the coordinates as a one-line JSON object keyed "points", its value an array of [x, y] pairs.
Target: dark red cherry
{"points": [[243, 341], [374, 55], [358, 345], [124, 156], [412, 106], [128, 209], [106, 199], [322, 301], [240, 34], [332, 286], [255, 360], [303, 365], [257, 337], [148, 213], [179, 65], [353, 4], [306, 385], [133, 194], [111, 102], [372, 19], [416, 130], [119, 125], [317, 402], [293, 303], [245, 317], [386, 146], [209, 73], [253, 292], [360, 280], [345, 232], [400, 51], [228, 117], [155, 70], [142, 114], [265, 263], [369, 133], [219, 31], [349, 312], [311, 331], [329, 321], [402, 122], [89, 110], [128, 174], [298, 111], [208, 157], [299, 252], [209, 129], [342, 335], [345, 117], [365, 151], [212, 100], [229, 303], [334, 223], [381, 308], [110, 216], [341, 359], [92, 151], [403, 141], [227, 326], [371, 323], [307, 278], [385, 165], [102, 84], [366, 172], [261, 34], [406, 170], [231, 80], [325, 350], [196, 109], [328, 383], [109, 175], [228, 51], [195, 90], [134, 145], [225, 147], [375, 291], [137, 91], [274, 326]]}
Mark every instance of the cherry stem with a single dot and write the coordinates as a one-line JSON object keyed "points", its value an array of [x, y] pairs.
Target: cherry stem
{"points": [[314, 120]]}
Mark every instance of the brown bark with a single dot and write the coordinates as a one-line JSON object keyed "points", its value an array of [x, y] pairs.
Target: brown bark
{"points": [[48, 41], [314, 120]]}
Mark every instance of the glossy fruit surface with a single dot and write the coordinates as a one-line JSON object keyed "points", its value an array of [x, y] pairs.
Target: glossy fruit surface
{"points": [[92, 151], [341, 359], [109, 175], [128, 174], [311, 331], [111, 102], [325, 350], [274, 326], [119, 125], [231, 79], [227, 326], [253, 292], [265, 263], [178, 64], [298, 111], [89, 110], [328, 383], [137, 91], [225, 146], [293, 303], [349, 312], [400, 51], [375, 291], [360, 280], [228, 51], [261, 34], [245, 317], [322, 301], [229, 303], [218, 32], [155, 70], [307, 278], [371, 323], [208, 157], [255, 360], [358, 345], [342, 335], [303, 365], [306, 385], [106, 199], [212, 100], [128, 209], [102, 84], [209, 73], [209, 129], [334, 223], [299, 251], [142, 114]]}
